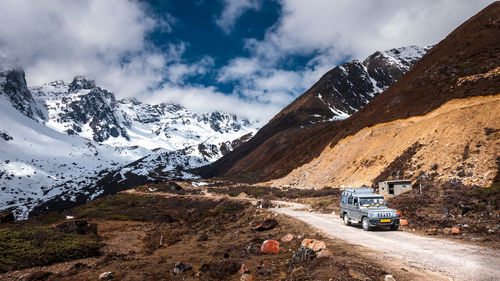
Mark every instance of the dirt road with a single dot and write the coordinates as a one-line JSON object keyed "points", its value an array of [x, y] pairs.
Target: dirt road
{"points": [[459, 261]]}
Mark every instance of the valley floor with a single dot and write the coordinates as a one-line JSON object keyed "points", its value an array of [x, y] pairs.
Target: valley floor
{"points": [[147, 230]]}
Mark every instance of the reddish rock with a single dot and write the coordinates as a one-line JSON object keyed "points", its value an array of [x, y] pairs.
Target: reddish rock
{"points": [[315, 245], [270, 247], [431, 231], [244, 269], [287, 238], [455, 230], [403, 222], [325, 253]]}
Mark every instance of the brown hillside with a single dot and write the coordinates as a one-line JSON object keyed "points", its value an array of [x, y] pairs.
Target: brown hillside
{"points": [[472, 49], [456, 141]]}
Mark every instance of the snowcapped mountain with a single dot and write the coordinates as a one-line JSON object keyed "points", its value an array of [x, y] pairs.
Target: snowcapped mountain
{"points": [[338, 94], [61, 143]]}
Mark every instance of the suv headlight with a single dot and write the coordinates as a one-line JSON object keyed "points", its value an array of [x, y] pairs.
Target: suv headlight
{"points": [[372, 215], [395, 215]]}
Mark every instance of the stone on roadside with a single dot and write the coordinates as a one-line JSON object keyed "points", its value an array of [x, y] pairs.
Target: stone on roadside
{"points": [[447, 231], [246, 277], [315, 245], [389, 278], [180, 267], [108, 275], [403, 222], [431, 231], [270, 247], [302, 255], [325, 253], [287, 238], [455, 230], [244, 269]]}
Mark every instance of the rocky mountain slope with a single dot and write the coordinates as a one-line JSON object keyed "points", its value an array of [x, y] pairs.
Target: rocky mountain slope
{"points": [[339, 93], [58, 141], [440, 122]]}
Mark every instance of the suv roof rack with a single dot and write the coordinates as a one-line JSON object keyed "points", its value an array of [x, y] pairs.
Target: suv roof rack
{"points": [[359, 189]]}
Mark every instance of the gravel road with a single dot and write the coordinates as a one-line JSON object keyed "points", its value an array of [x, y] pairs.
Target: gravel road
{"points": [[459, 261]]}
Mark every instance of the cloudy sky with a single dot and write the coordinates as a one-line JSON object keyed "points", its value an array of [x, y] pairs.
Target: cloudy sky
{"points": [[250, 57]]}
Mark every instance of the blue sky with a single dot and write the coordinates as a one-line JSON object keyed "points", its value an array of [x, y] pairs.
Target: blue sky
{"points": [[249, 57]]}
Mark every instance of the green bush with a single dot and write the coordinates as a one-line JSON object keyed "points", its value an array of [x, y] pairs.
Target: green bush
{"points": [[41, 245]]}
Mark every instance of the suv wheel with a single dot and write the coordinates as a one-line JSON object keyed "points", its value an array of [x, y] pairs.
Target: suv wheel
{"points": [[366, 225], [346, 219], [394, 227]]}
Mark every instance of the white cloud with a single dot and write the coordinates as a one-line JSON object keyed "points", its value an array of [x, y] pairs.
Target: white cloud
{"points": [[207, 99], [333, 30], [233, 9]]}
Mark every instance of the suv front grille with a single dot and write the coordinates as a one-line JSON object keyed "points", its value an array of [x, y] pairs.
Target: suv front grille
{"points": [[384, 215]]}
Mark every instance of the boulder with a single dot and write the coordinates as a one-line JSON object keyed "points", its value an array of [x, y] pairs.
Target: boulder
{"points": [[315, 245], [247, 277], [325, 253], [287, 238], [302, 255], [431, 231], [389, 278], [270, 247], [267, 224], [77, 226], [244, 269], [403, 222], [6, 217], [455, 230], [108, 275], [180, 267]]}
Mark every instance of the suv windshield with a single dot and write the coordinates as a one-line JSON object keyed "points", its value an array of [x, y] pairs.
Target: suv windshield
{"points": [[369, 202]]}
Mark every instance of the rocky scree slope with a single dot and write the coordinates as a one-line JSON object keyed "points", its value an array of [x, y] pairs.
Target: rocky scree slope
{"points": [[339, 93], [59, 140], [440, 122]]}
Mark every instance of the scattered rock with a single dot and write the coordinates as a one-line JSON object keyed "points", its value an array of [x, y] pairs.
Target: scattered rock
{"points": [[315, 245], [108, 275], [172, 185], [246, 277], [325, 253], [39, 276], [302, 255], [389, 278], [6, 217], [447, 231], [244, 269], [264, 272], [403, 222], [77, 226], [455, 230], [431, 231], [180, 267], [251, 249], [287, 238], [270, 247], [267, 224]]}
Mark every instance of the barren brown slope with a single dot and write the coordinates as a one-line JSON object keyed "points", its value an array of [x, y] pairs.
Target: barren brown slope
{"points": [[460, 140], [473, 48]]}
